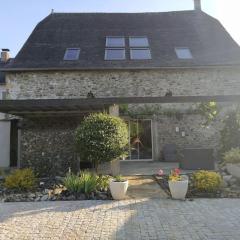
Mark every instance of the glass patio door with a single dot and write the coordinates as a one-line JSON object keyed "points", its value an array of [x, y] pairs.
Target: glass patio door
{"points": [[140, 139]]}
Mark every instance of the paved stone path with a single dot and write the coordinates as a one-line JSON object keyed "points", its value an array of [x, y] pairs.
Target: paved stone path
{"points": [[214, 219], [144, 187]]}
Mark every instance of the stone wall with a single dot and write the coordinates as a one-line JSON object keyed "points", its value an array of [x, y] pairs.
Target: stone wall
{"points": [[76, 84], [50, 141], [196, 135], [48, 144]]}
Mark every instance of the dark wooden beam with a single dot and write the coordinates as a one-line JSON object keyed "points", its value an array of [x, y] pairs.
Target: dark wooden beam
{"points": [[85, 104]]}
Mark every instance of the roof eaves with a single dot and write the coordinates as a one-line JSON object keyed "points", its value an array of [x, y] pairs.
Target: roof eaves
{"points": [[119, 68]]}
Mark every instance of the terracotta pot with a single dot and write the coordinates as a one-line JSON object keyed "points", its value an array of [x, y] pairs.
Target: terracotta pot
{"points": [[179, 189], [118, 189]]}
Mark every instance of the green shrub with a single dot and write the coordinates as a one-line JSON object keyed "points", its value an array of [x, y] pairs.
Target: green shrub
{"points": [[103, 182], [209, 111], [207, 181], [232, 156], [119, 178], [21, 180], [101, 138], [86, 183]]}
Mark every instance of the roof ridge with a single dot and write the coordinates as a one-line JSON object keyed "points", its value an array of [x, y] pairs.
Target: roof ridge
{"points": [[185, 11]]}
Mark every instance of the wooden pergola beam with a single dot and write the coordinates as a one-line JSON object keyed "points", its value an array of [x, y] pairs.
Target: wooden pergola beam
{"points": [[89, 104]]}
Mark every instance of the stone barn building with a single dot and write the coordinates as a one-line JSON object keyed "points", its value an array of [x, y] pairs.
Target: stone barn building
{"points": [[153, 67]]}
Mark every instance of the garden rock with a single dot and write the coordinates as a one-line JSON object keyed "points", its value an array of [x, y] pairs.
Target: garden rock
{"points": [[102, 196], [69, 198], [37, 199], [227, 178], [232, 181], [44, 198]]}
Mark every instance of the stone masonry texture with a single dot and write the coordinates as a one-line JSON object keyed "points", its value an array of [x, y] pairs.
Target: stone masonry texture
{"points": [[53, 138], [76, 84], [145, 219], [47, 144]]}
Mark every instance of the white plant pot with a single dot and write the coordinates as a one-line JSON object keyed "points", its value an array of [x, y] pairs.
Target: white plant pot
{"points": [[118, 189], [179, 189], [233, 169]]}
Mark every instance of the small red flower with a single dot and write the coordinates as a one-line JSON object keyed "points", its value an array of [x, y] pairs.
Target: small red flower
{"points": [[160, 172], [177, 171]]}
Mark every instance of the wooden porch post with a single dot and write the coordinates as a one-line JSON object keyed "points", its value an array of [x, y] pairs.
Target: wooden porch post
{"points": [[115, 164]]}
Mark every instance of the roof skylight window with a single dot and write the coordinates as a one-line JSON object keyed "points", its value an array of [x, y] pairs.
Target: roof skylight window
{"points": [[138, 42], [140, 54], [183, 53], [115, 41], [115, 54], [72, 54]]}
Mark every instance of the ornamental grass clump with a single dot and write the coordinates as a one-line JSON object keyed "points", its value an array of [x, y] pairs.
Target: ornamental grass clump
{"points": [[101, 138], [21, 180], [87, 182], [207, 181], [73, 183]]}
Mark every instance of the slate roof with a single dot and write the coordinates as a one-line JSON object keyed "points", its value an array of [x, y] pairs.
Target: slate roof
{"points": [[208, 41]]}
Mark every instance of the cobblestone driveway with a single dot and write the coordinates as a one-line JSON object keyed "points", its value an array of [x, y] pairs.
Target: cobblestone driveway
{"points": [[131, 219]]}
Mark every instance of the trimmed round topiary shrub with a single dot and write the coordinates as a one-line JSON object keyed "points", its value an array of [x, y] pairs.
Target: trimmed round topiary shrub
{"points": [[207, 181], [101, 138]]}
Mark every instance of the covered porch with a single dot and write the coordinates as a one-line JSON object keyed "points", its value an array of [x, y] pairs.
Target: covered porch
{"points": [[64, 109]]}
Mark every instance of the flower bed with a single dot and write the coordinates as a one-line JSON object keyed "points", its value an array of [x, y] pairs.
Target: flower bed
{"points": [[50, 190], [53, 189], [225, 191]]}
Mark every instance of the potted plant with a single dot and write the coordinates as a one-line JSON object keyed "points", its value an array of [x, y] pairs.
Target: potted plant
{"points": [[232, 161], [178, 184], [118, 187]]}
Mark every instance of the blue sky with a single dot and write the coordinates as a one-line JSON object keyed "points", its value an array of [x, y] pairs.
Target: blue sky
{"points": [[19, 17]]}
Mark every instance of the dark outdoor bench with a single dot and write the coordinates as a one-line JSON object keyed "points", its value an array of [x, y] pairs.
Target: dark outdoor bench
{"points": [[197, 158]]}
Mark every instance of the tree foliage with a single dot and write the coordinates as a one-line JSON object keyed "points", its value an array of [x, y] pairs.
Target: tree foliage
{"points": [[101, 138]]}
